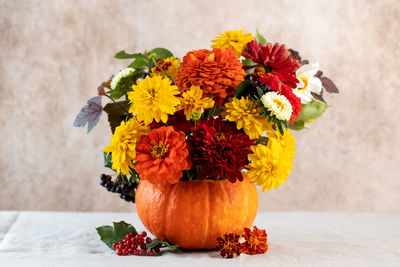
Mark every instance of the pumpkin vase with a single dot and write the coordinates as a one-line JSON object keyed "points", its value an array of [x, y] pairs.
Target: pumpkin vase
{"points": [[193, 214]]}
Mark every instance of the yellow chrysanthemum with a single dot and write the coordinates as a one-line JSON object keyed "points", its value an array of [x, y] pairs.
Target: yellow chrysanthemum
{"points": [[153, 99], [286, 140], [270, 165], [168, 65], [123, 144], [236, 40], [193, 101], [246, 114]]}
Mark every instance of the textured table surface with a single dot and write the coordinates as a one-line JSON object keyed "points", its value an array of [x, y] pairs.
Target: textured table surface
{"points": [[295, 239]]}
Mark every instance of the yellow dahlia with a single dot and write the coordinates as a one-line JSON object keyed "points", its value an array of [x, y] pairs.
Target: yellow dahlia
{"points": [[168, 66], [123, 144], [246, 114], [236, 40], [286, 140], [153, 99], [270, 165], [278, 105], [193, 101]]}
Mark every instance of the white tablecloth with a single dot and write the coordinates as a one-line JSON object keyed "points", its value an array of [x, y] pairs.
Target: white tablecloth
{"points": [[295, 239]]}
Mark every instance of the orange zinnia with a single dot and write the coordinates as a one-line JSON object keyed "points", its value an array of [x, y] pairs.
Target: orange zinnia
{"points": [[161, 155], [217, 72]]}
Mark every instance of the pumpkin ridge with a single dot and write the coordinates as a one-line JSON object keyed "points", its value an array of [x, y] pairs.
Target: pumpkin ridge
{"points": [[209, 214], [168, 208], [245, 209]]}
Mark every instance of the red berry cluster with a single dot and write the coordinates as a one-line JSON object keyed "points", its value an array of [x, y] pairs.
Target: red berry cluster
{"points": [[136, 245]]}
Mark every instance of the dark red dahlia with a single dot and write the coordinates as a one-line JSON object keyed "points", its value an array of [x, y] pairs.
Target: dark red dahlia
{"points": [[274, 59], [178, 121], [221, 148]]}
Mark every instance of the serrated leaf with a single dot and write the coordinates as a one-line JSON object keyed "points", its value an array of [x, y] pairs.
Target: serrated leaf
{"points": [[122, 55], [161, 52], [110, 235], [116, 113], [312, 110], [241, 88], [89, 114], [156, 242], [260, 38], [329, 85]]}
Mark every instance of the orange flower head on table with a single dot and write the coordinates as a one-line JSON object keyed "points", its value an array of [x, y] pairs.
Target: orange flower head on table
{"points": [[218, 72], [255, 241], [161, 155], [228, 245]]}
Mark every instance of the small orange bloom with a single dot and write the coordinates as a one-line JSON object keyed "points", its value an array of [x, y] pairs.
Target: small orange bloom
{"points": [[255, 241], [228, 245], [217, 72], [161, 155]]}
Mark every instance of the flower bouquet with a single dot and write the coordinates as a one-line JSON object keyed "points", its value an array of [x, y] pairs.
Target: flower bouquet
{"points": [[191, 138]]}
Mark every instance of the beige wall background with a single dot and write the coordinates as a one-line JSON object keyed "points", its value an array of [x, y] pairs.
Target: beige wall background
{"points": [[54, 54]]}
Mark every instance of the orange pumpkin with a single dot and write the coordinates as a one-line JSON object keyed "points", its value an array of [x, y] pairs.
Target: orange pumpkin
{"points": [[193, 214]]}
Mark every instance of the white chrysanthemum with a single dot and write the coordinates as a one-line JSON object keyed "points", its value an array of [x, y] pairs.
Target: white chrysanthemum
{"points": [[122, 74], [278, 105], [307, 82]]}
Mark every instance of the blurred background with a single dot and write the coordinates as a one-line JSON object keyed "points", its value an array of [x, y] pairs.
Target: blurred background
{"points": [[54, 54]]}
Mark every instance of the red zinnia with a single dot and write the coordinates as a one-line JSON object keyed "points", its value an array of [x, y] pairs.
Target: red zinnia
{"points": [[221, 148], [275, 58], [178, 121]]}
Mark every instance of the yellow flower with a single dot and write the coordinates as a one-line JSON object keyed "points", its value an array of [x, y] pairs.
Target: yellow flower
{"points": [[153, 98], [246, 114], [123, 144], [270, 165], [168, 65], [236, 40], [193, 101], [286, 140]]}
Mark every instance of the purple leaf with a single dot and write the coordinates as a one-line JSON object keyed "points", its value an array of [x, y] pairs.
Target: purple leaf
{"points": [[319, 74], [304, 62], [89, 114], [329, 85]]}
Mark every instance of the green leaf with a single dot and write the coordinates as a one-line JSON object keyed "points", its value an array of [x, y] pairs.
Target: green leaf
{"points": [[125, 84], [161, 52], [116, 113], [260, 92], [248, 63], [241, 88], [312, 110], [110, 235], [138, 64], [122, 55], [260, 38], [262, 140], [155, 242], [297, 125], [107, 160]]}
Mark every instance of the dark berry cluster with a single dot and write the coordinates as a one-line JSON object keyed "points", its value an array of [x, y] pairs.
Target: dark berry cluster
{"points": [[136, 245], [124, 188]]}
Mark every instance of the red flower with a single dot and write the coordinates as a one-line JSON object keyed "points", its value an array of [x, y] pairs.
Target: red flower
{"points": [[178, 121], [275, 59], [221, 148], [294, 101], [228, 245], [255, 241]]}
